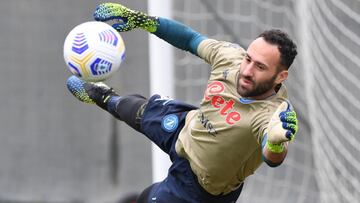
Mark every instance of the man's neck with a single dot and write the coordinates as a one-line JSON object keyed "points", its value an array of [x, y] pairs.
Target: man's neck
{"points": [[264, 96]]}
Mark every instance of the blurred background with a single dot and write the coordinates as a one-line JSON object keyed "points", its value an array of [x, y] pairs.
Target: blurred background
{"points": [[54, 149]]}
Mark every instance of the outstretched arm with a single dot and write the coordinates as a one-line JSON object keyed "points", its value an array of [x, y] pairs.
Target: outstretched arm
{"points": [[179, 35], [281, 129], [271, 157], [173, 32]]}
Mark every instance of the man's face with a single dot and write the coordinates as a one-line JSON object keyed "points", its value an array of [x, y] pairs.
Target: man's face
{"points": [[259, 72]]}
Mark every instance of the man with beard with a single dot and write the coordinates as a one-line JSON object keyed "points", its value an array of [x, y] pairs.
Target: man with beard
{"points": [[244, 118]]}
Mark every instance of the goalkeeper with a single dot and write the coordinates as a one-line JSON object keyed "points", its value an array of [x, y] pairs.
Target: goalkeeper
{"points": [[244, 118]]}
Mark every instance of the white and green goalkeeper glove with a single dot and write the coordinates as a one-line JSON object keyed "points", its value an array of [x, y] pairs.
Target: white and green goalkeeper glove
{"points": [[281, 128], [130, 19]]}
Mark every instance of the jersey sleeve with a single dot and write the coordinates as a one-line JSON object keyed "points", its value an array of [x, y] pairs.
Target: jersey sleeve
{"points": [[179, 35], [220, 53]]}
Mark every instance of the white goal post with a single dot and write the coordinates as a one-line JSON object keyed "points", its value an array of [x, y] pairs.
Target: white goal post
{"points": [[161, 79]]}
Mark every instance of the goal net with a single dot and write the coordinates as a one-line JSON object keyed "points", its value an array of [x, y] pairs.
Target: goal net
{"points": [[323, 163]]}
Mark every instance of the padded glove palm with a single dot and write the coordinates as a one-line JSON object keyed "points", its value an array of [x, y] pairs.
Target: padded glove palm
{"points": [[281, 128]]}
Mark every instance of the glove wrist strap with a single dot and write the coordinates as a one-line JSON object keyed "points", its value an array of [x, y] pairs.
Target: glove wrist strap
{"points": [[275, 148]]}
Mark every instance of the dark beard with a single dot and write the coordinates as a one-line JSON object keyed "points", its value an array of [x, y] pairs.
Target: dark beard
{"points": [[260, 88]]}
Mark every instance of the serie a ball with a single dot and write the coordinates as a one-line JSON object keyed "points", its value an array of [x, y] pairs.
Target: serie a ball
{"points": [[93, 51]]}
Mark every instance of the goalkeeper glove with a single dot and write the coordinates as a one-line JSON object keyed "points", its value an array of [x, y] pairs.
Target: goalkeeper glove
{"points": [[130, 19], [281, 128]]}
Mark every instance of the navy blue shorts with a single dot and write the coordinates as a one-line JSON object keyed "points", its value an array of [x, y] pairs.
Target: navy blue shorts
{"points": [[162, 121]]}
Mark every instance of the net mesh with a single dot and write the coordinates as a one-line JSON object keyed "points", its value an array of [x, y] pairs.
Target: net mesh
{"points": [[323, 164], [334, 39]]}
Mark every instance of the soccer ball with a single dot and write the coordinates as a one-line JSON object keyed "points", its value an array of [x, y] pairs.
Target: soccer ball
{"points": [[93, 51]]}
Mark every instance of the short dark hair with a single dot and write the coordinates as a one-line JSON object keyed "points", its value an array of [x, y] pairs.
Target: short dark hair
{"points": [[286, 46]]}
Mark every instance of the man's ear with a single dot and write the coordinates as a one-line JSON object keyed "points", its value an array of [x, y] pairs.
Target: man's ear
{"points": [[282, 76]]}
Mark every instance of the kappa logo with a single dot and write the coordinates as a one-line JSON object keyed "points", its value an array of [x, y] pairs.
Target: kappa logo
{"points": [[226, 73], [170, 123], [164, 99]]}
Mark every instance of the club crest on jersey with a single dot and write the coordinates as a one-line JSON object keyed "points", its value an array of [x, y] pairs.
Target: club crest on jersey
{"points": [[170, 123]]}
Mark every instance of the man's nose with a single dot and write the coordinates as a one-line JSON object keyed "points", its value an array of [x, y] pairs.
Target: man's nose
{"points": [[248, 70]]}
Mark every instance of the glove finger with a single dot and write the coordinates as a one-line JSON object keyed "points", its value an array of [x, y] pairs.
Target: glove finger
{"points": [[288, 116], [122, 27], [289, 113], [289, 135], [102, 13], [108, 11], [290, 127], [108, 18]]}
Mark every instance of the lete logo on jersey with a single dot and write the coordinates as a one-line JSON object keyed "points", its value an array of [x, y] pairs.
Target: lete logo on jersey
{"points": [[226, 107], [170, 123]]}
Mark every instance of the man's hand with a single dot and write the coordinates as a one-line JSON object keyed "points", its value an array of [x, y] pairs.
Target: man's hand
{"points": [[130, 19], [281, 128]]}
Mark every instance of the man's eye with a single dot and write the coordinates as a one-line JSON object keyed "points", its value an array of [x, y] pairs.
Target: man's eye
{"points": [[261, 67]]}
